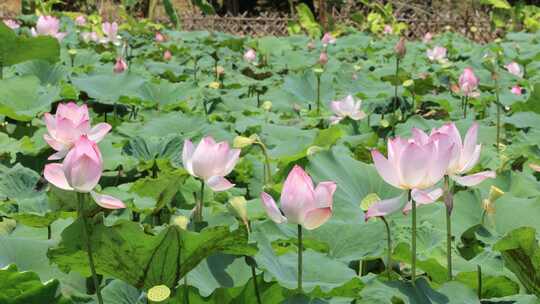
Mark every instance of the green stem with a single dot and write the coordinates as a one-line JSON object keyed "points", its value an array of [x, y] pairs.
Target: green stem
{"points": [[80, 199], [448, 226], [300, 249], [267, 168], [389, 249], [498, 112], [200, 204], [396, 79], [255, 285], [318, 94], [49, 232], [186, 290], [479, 281], [413, 239], [465, 106]]}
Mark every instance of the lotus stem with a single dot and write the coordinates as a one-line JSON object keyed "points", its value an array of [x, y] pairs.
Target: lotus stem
{"points": [[498, 104], [300, 249], [465, 106], [267, 167], [396, 85], [255, 285], [448, 203], [318, 93], [80, 200], [479, 268], [413, 239], [200, 205], [389, 249], [49, 232]]}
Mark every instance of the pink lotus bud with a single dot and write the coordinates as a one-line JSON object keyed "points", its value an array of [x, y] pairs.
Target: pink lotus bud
{"points": [[400, 49], [68, 124], [328, 39], [80, 171], [311, 45], [89, 36], [167, 55], [12, 24], [347, 107], [120, 66], [323, 58], [514, 69], [437, 53], [80, 20], [159, 37], [465, 154], [111, 32], [468, 82], [516, 90], [427, 37], [210, 161], [48, 26], [250, 55], [388, 29], [301, 203]]}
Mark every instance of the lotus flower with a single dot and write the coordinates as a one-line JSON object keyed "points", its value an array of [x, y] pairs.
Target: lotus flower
{"points": [[400, 48], [89, 36], [328, 39], [465, 154], [514, 69], [211, 162], [167, 55], [437, 53], [301, 203], [67, 125], [120, 66], [48, 26], [323, 58], [250, 55], [111, 32], [416, 164], [80, 20], [427, 37], [535, 167], [80, 171], [159, 37], [388, 29], [347, 107], [12, 24], [468, 83], [516, 90], [310, 45]]}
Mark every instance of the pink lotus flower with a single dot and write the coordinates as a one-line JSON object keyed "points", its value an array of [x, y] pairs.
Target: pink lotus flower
{"points": [[48, 26], [535, 167], [68, 124], [388, 29], [514, 69], [465, 154], [250, 55], [12, 24], [328, 39], [323, 58], [111, 32], [427, 37], [416, 164], [517, 90], [159, 37], [468, 83], [80, 171], [89, 36], [311, 45], [437, 53], [347, 107], [301, 203], [167, 55], [211, 162], [120, 66], [80, 20]]}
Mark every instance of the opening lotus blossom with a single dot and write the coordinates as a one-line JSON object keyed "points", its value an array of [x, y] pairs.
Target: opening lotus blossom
{"points": [[468, 83], [110, 30], [437, 53], [347, 107], [48, 26], [301, 203], [514, 69]]}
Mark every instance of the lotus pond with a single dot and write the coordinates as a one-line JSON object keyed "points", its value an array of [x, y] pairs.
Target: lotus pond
{"points": [[141, 164]]}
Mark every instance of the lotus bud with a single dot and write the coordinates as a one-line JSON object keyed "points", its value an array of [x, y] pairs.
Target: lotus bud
{"points": [[400, 49], [180, 221], [167, 55], [239, 206], [267, 105], [159, 293], [242, 141], [323, 58]]}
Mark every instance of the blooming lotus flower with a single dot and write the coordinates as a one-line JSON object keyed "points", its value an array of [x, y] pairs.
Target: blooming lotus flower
{"points": [[48, 26], [388, 29], [437, 53], [80, 171], [111, 32], [167, 55], [427, 37], [301, 203], [323, 58], [250, 55], [120, 66], [465, 154], [68, 124], [347, 107], [12, 24], [468, 83], [514, 69], [516, 90], [80, 20], [159, 37], [89, 36], [328, 39], [210, 161]]}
